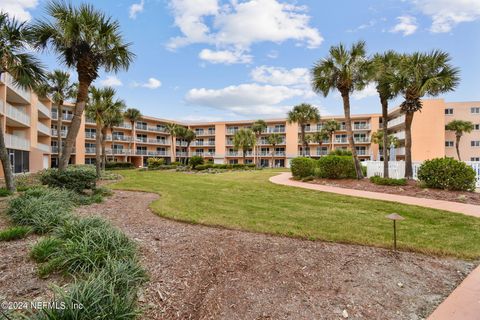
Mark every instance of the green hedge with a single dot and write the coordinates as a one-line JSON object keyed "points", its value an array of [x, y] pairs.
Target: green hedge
{"points": [[336, 167], [447, 173], [76, 178], [155, 163], [388, 181], [303, 167], [119, 165], [195, 161]]}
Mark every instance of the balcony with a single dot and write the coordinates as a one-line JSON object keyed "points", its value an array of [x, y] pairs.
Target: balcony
{"points": [[340, 140], [16, 142], [359, 126], [157, 129], [44, 147], [90, 150], [181, 143], [119, 151], [141, 139], [159, 141], [205, 133], [43, 128], [24, 94], [399, 135], [203, 143], [119, 137], [90, 135], [274, 130], [141, 152], [63, 133], [232, 131], [362, 152], [55, 149], [159, 153], [124, 126], [361, 139], [43, 110], [181, 154], [204, 154], [16, 114], [397, 121], [67, 117], [141, 127]]}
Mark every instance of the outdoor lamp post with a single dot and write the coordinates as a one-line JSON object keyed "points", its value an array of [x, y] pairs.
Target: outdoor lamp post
{"points": [[395, 217]]}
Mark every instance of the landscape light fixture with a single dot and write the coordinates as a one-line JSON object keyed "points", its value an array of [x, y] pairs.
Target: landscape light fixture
{"points": [[395, 217]]}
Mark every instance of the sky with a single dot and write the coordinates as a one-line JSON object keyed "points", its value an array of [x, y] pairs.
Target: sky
{"points": [[212, 60]]}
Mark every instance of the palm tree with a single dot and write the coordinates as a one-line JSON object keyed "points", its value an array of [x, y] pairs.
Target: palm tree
{"points": [[303, 114], [422, 74], [459, 127], [187, 135], [59, 88], [274, 139], [98, 103], [87, 40], [379, 138], [25, 70], [385, 68], [244, 139], [258, 127], [345, 70], [319, 137], [133, 115], [331, 126], [172, 129], [112, 117]]}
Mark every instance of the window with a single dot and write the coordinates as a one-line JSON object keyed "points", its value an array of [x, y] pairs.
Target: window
{"points": [[476, 126], [476, 159], [475, 110], [449, 111], [475, 143], [233, 161], [449, 144]]}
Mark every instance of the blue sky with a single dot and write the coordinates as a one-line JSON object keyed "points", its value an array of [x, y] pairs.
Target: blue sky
{"points": [[203, 60]]}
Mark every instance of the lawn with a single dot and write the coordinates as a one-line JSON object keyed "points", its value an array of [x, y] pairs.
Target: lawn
{"points": [[248, 201]]}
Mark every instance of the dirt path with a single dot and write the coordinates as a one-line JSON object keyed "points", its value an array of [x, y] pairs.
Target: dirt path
{"points": [[200, 272]]}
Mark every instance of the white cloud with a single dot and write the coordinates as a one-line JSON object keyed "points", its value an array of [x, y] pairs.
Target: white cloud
{"points": [[152, 83], [246, 99], [224, 56], [135, 9], [111, 81], [237, 25], [18, 8], [281, 76], [273, 54], [446, 14], [368, 91], [200, 118], [407, 25]]}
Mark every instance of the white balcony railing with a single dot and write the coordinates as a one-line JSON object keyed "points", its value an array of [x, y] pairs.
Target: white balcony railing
{"points": [[90, 135], [8, 80], [44, 147], [399, 135], [159, 141], [16, 142], [43, 128], [66, 117], [63, 133], [397, 121], [43, 109], [159, 153], [18, 115], [361, 126]]}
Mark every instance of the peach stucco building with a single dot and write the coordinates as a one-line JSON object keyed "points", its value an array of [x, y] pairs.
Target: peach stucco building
{"points": [[30, 129]]}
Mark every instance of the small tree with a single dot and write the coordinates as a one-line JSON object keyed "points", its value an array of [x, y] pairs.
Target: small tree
{"points": [[112, 117], [274, 139], [172, 129], [244, 140], [258, 127], [187, 135], [331, 126], [196, 161], [303, 114], [378, 138], [319, 136], [459, 127]]}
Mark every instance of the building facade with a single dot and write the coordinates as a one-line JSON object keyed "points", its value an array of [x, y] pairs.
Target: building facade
{"points": [[30, 127], [26, 122]]}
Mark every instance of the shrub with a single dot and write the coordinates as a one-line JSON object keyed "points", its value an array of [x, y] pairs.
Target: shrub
{"points": [[14, 233], [220, 166], [238, 166], [251, 165], [154, 163], [76, 178], [27, 180], [45, 248], [5, 192], [302, 167], [207, 166], [176, 163], [195, 161], [447, 173], [88, 243], [341, 152], [41, 208], [336, 167], [111, 165], [388, 181]]}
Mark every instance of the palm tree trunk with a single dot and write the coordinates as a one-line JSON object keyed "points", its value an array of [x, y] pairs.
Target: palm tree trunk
{"points": [[98, 145], [131, 139], [104, 142], [384, 103], [7, 166], [408, 145], [59, 128], [351, 143], [302, 136], [188, 153], [273, 152], [457, 146], [75, 124], [332, 136]]}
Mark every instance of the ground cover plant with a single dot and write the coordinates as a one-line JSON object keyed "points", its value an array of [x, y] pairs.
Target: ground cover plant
{"points": [[247, 200]]}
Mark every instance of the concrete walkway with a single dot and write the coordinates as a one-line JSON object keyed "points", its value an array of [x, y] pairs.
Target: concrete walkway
{"points": [[464, 302], [467, 209]]}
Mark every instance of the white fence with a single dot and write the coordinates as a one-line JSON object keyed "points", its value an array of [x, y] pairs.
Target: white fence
{"points": [[396, 169]]}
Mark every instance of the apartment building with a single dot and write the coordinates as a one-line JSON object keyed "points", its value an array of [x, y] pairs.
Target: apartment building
{"points": [[26, 121], [148, 137]]}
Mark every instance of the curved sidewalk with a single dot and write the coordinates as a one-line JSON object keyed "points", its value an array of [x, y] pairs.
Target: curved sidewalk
{"points": [[467, 209]]}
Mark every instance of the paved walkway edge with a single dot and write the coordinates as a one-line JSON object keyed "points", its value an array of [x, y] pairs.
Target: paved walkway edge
{"points": [[464, 302], [467, 209]]}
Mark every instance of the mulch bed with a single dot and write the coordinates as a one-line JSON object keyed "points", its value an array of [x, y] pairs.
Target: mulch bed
{"points": [[412, 189]]}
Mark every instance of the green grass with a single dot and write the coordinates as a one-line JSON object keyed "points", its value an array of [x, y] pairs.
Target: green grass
{"points": [[14, 233], [248, 201]]}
